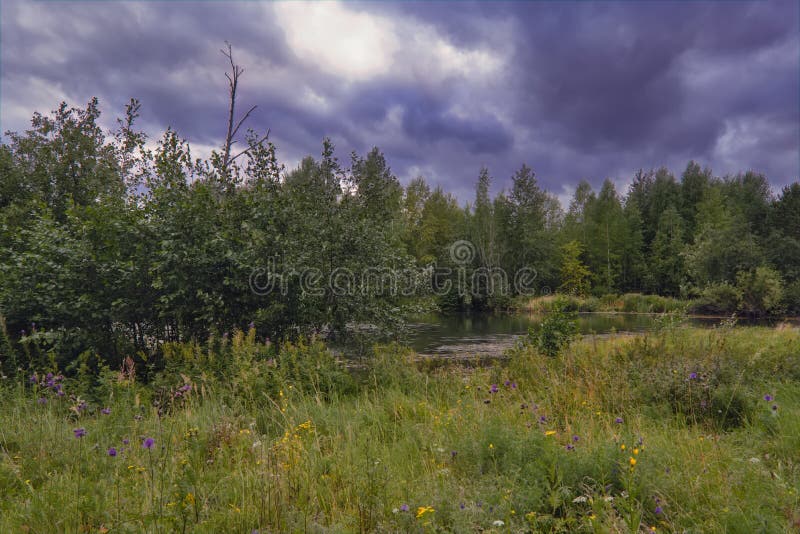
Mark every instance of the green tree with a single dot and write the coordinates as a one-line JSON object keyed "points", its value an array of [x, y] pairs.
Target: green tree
{"points": [[575, 275]]}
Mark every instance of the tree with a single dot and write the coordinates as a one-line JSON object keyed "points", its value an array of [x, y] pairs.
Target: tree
{"points": [[575, 275], [666, 259]]}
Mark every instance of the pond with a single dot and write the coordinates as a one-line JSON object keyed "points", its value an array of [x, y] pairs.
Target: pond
{"points": [[488, 335]]}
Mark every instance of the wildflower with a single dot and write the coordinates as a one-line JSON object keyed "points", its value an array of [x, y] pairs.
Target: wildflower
{"points": [[658, 510], [404, 508], [498, 523], [395, 510], [774, 407], [112, 451], [422, 510], [125, 441], [692, 376], [575, 438], [542, 419], [453, 454], [632, 461], [513, 385], [462, 506], [635, 451], [570, 447], [622, 447], [148, 443], [105, 411], [493, 389], [491, 446], [767, 397], [507, 383], [42, 400], [549, 432], [619, 420], [79, 432], [579, 499]]}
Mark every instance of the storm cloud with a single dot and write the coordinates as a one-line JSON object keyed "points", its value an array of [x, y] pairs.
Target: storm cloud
{"points": [[575, 90]]}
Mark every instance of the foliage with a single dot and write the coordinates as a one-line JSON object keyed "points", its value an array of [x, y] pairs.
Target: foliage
{"points": [[574, 274], [557, 330], [761, 290]]}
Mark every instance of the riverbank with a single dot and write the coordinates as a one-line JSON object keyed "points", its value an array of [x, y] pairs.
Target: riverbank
{"points": [[679, 429]]}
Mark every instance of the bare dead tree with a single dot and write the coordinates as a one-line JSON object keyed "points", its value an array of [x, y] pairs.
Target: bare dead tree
{"points": [[233, 84]]}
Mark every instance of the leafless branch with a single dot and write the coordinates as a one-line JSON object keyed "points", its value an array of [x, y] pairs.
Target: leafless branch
{"points": [[246, 150]]}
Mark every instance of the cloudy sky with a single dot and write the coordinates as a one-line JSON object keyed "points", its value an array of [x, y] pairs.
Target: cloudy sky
{"points": [[576, 90]]}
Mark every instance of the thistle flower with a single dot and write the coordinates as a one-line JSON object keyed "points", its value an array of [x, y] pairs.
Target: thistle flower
{"points": [[493, 389], [619, 420], [105, 411], [575, 438], [658, 510], [767, 397], [148, 443], [79, 432], [404, 508], [692, 376], [112, 451]]}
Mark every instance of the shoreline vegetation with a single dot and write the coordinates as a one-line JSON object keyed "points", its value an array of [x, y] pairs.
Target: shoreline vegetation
{"points": [[679, 429], [633, 303]]}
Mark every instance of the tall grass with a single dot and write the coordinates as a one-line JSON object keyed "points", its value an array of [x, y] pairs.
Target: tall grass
{"points": [[628, 303], [248, 438]]}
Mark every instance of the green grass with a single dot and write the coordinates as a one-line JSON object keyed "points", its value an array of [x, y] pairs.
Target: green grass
{"points": [[290, 442]]}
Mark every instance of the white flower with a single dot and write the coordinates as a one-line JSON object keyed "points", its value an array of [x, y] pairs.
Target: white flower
{"points": [[395, 510], [754, 460], [579, 499], [608, 498], [498, 523]]}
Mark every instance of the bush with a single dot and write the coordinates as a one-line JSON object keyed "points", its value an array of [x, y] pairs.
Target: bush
{"points": [[718, 299], [557, 330], [791, 298], [761, 290]]}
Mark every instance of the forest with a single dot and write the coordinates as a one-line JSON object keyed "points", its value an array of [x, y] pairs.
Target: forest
{"points": [[111, 244]]}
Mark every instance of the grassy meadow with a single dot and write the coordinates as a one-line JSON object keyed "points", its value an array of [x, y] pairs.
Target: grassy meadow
{"points": [[679, 430]]}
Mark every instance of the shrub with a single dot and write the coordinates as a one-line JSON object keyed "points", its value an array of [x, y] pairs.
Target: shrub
{"points": [[557, 330], [718, 299], [761, 290]]}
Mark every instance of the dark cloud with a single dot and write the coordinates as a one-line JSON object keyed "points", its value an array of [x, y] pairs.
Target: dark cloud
{"points": [[579, 90]]}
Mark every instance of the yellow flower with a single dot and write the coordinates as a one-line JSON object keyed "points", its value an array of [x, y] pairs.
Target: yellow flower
{"points": [[491, 446], [549, 432], [635, 451], [652, 529], [422, 510], [622, 447], [632, 461]]}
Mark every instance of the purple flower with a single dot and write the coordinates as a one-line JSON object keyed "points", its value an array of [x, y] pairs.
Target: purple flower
{"points": [[462, 506], [105, 411], [767, 397], [542, 419], [692, 376], [658, 510], [507, 383], [33, 378], [774, 407], [570, 447], [251, 325], [619, 420], [493, 389], [79, 432], [112, 451], [404, 508], [453, 454], [125, 441], [575, 438], [148, 443], [42, 400], [513, 385]]}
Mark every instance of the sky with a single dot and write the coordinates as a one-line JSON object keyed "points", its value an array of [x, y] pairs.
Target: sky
{"points": [[576, 90]]}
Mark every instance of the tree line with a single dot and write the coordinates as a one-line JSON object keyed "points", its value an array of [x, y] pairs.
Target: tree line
{"points": [[110, 247]]}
